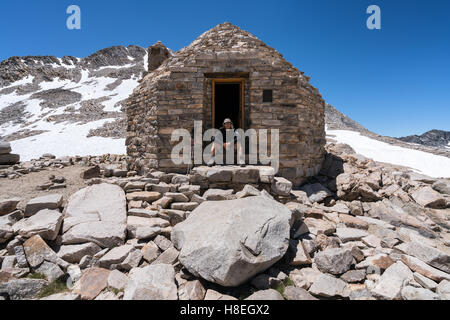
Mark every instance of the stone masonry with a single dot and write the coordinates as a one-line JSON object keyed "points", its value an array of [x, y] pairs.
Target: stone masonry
{"points": [[179, 92]]}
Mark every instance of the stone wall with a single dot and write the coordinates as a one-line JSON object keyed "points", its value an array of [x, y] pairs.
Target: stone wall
{"points": [[180, 91]]}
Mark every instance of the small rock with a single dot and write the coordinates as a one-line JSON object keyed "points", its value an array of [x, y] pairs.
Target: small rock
{"points": [[177, 197], [148, 196], [150, 252], [424, 269], [372, 241], [64, 296], [51, 201], [412, 293], [269, 294], [45, 223], [334, 260], [5, 147], [115, 256], [316, 226], [144, 213], [429, 198], [353, 222], [93, 281], [294, 293], [74, 253], [316, 192], [328, 286], [37, 251], [218, 194], [162, 242], [350, 234], [169, 256], [22, 289], [382, 261], [429, 255], [163, 203], [192, 290], [214, 295], [145, 232], [74, 273], [50, 270], [281, 186], [185, 206], [132, 260], [425, 282], [392, 281], [264, 281], [443, 289], [304, 277], [353, 276], [20, 256], [8, 205], [442, 186], [248, 191], [300, 255], [117, 280], [154, 282]]}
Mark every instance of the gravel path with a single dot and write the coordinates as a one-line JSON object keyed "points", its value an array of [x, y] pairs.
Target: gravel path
{"points": [[25, 187]]}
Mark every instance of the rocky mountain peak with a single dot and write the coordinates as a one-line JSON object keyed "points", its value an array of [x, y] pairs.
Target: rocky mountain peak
{"points": [[336, 120], [114, 56], [434, 138]]}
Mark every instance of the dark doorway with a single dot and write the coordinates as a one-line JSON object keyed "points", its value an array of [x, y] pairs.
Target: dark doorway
{"points": [[227, 103]]}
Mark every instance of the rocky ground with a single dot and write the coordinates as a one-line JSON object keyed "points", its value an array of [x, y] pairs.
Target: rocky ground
{"points": [[358, 230], [68, 89]]}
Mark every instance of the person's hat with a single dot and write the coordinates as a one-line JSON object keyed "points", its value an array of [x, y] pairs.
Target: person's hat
{"points": [[227, 120]]}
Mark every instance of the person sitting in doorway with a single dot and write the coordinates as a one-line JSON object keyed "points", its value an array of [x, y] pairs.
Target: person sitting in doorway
{"points": [[228, 146]]}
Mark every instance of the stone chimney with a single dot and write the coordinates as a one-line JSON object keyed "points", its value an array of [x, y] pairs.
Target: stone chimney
{"points": [[157, 54]]}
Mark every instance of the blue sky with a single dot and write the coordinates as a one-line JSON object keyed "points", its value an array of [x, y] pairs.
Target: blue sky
{"points": [[394, 81]]}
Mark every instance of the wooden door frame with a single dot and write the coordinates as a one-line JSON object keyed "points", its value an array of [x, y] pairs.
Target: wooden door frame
{"points": [[241, 82]]}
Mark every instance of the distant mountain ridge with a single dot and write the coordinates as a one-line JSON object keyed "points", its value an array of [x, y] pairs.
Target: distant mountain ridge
{"points": [[336, 120], [433, 138]]}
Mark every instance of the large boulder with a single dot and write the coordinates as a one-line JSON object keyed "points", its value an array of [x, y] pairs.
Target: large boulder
{"points": [[238, 238], [103, 233], [96, 214], [106, 200]]}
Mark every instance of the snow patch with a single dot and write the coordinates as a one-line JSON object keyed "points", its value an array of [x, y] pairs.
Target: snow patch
{"points": [[68, 140], [26, 80], [423, 162]]}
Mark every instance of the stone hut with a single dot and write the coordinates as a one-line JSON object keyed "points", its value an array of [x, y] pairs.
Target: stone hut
{"points": [[226, 72]]}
